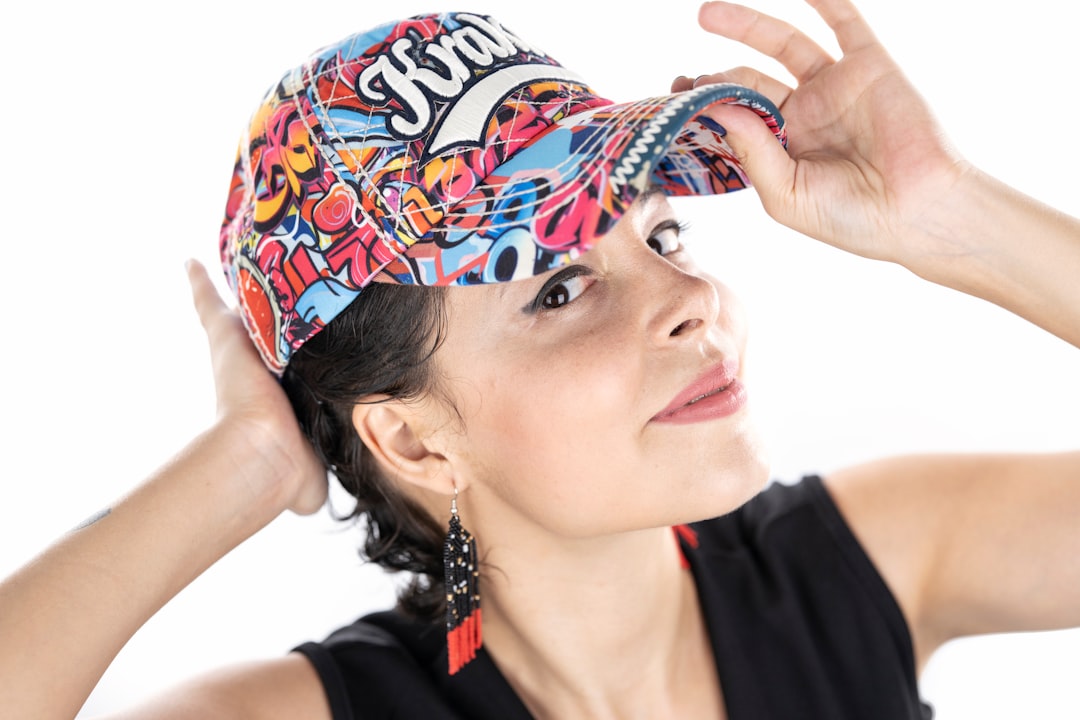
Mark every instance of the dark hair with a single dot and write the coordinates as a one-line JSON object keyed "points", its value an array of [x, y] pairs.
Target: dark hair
{"points": [[381, 344]]}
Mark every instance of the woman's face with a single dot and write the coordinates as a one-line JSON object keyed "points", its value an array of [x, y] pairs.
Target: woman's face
{"points": [[575, 389]]}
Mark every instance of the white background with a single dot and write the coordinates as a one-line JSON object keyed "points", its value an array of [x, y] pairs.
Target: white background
{"points": [[119, 123]]}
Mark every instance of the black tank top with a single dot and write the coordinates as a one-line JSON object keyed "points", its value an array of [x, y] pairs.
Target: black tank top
{"points": [[802, 628]]}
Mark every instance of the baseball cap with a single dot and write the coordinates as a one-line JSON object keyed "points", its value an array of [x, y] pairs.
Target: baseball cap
{"points": [[444, 149]]}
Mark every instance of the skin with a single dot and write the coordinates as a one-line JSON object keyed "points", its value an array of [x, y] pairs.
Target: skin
{"points": [[953, 536]]}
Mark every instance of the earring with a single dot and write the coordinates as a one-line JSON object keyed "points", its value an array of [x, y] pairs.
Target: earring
{"points": [[463, 632]]}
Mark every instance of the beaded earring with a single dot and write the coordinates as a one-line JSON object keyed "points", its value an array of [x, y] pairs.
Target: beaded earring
{"points": [[463, 631]]}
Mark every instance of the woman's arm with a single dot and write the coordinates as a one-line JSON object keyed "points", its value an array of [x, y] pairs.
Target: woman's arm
{"points": [[1007, 248], [284, 688], [77, 604]]}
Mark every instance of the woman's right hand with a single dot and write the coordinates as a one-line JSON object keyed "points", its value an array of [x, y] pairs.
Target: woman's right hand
{"points": [[251, 400], [868, 170]]}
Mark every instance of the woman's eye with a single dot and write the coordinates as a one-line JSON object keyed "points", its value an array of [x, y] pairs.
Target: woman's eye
{"points": [[665, 239], [564, 292]]}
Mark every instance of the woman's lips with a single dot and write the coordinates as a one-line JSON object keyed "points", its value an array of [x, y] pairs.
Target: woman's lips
{"points": [[717, 393]]}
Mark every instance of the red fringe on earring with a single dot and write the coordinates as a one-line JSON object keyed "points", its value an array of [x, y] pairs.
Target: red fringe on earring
{"points": [[463, 641], [464, 634]]}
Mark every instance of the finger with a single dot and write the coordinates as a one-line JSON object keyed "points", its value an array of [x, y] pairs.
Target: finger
{"points": [[681, 84], [223, 326], [781, 41], [768, 166], [207, 301], [851, 29], [768, 86]]}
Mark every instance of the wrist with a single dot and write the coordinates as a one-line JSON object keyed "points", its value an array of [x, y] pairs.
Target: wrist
{"points": [[957, 239], [268, 464], [998, 244]]}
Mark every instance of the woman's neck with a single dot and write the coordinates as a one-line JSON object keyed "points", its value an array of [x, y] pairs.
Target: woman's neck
{"points": [[607, 627]]}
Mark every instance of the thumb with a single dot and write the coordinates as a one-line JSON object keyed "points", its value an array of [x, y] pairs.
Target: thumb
{"points": [[767, 164], [208, 304]]}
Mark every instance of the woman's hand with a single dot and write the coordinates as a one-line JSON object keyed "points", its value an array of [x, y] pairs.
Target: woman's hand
{"points": [[869, 171], [867, 168], [250, 399]]}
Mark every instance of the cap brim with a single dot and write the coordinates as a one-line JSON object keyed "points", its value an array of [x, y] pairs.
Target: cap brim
{"points": [[554, 198]]}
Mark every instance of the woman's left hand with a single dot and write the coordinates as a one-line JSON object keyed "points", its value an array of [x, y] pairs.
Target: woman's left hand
{"points": [[251, 400], [867, 168]]}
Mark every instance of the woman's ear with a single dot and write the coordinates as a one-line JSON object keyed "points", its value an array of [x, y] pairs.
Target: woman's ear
{"points": [[391, 432]]}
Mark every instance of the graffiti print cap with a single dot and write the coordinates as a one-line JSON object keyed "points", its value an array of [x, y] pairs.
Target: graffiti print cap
{"points": [[440, 150]]}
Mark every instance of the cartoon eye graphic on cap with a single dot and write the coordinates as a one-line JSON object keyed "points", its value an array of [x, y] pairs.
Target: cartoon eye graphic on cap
{"points": [[512, 256]]}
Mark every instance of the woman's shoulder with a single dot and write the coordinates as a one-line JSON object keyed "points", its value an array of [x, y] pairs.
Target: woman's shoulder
{"points": [[276, 689], [392, 665], [788, 590]]}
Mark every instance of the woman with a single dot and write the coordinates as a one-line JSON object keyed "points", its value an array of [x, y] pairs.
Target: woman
{"points": [[881, 502]]}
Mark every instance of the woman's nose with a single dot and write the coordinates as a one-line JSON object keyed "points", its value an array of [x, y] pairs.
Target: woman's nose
{"points": [[689, 303]]}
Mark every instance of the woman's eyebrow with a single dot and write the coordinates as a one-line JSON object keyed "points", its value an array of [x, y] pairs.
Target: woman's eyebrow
{"points": [[644, 197], [651, 191]]}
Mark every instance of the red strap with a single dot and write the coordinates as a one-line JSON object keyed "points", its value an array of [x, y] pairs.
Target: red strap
{"points": [[687, 535]]}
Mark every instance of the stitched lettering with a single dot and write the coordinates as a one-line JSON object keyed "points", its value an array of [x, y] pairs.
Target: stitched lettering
{"points": [[417, 73]]}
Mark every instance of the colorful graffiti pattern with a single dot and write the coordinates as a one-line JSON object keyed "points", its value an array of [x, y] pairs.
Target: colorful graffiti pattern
{"points": [[443, 150]]}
